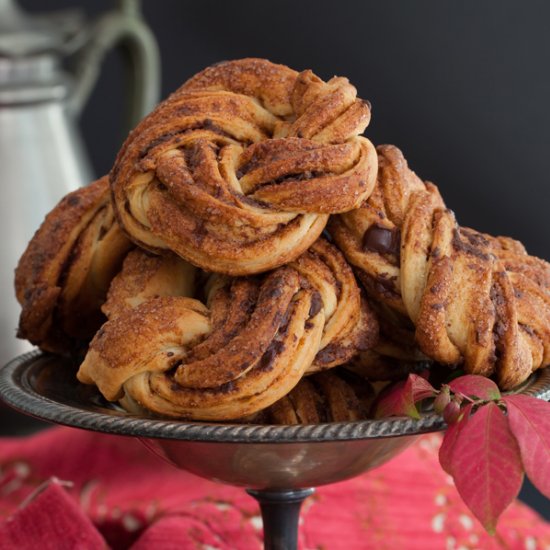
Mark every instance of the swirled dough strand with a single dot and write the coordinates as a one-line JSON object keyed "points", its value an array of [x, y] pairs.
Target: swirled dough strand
{"points": [[243, 349], [239, 169], [475, 300], [62, 278]]}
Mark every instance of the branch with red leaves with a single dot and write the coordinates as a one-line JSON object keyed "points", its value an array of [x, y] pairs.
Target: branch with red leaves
{"points": [[491, 440]]}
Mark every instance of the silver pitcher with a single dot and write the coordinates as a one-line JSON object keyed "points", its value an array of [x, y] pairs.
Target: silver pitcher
{"points": [[42, 156]]}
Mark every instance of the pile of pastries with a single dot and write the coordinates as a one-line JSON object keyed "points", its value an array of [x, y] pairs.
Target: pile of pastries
{"points": [[252, 256]]}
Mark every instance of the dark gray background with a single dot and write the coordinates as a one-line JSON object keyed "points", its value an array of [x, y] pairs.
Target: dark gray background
{"points": [[463, 88]]}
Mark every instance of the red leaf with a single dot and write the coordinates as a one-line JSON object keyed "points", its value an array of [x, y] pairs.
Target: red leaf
{"points": [[529, 420], [420, 387], [473, 385], [400, 399], [449, 439], [485, 462], [397, 401]]}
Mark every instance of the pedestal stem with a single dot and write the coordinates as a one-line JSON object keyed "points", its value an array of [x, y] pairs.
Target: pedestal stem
{"points": [[280, 514]]}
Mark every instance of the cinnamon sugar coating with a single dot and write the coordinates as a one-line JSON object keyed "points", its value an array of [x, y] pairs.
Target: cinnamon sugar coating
{"points": [[64, 274], [474, 299], [243, 349], [238, 170]]}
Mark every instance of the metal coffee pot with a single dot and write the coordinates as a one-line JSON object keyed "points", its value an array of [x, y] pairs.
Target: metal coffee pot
{"points": [[42, 156]]}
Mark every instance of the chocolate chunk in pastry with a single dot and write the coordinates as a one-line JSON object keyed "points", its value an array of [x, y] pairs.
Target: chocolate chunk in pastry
{"points": [[475, 300]]}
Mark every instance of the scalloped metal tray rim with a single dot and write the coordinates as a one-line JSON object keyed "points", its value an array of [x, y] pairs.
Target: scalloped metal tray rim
{"points": [[17, 391]]}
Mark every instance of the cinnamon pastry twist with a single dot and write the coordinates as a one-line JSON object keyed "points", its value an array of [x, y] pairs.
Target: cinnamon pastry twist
{"points": [[474, 299], [63, 276], [243, 349], [333, 396], [238, 170], [395, 355]]}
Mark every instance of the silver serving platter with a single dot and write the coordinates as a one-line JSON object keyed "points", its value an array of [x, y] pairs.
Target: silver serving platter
{"points": [[253, 456]]}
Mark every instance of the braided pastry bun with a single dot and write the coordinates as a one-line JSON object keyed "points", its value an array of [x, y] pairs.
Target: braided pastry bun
{"points": [[396, 353], [337, 395], [475, 300], [238, 170], [63, 276], [241, 350]]}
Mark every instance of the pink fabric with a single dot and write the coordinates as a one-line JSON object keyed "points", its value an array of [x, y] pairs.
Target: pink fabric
{"points": [[51, 521], [124, 497]]}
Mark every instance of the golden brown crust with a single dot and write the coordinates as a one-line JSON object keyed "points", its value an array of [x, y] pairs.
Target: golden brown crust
{"points": [[270, 83], [350, 324], [238, 170], [473, 298], [249, 346], [62, 278], [148, 276]]}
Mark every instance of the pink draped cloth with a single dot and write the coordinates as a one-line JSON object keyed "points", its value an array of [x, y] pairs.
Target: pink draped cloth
{"points": [[71, 489]]}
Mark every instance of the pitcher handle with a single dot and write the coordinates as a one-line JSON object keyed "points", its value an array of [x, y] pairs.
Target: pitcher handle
{"points": [[124, 28]]}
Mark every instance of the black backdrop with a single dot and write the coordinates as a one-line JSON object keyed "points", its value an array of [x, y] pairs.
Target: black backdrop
{"points": [[463, 88]]}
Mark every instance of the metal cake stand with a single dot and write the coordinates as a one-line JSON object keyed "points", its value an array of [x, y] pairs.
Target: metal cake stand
{"points": [[278, 465]]}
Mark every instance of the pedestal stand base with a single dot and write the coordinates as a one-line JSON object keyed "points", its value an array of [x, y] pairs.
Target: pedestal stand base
{"points": [[280, 514]]}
